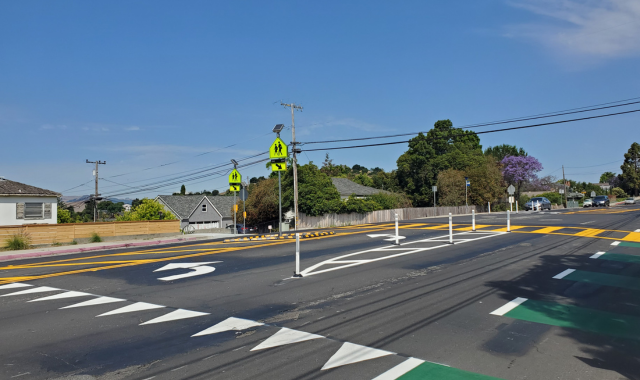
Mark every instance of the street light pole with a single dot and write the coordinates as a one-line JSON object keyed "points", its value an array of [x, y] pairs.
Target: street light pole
{"points": [[295, 161]]}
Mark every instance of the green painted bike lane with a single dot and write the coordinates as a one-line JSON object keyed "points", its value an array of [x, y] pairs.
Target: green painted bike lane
{"points": [[433, 371], [605, 279]]}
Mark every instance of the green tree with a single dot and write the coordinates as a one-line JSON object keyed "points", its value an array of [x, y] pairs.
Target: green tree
{"points": [[499, 152], [359, 205], [442, 148], [486, 180], [64, 216], [630, 169], [135, 203], [148, 209], [363, 179], [316, 193], [183, 190], [607, 176], [618, 192], [262, 202], [451, 188]]}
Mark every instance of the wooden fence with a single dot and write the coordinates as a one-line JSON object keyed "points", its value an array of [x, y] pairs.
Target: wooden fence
{"points": [[335, 220], [65, 233]]}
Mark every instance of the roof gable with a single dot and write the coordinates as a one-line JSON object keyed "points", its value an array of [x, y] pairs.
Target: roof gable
{"points": [[8, 187], [223, 204], [182, 205]]}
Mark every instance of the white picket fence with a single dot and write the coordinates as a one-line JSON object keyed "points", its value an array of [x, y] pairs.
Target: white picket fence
{"points": [[337, 220]]}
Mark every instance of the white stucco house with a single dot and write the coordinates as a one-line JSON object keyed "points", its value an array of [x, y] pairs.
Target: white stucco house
{"points": [[24, 204]]}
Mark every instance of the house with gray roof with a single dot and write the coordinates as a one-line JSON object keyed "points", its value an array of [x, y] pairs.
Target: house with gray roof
{"points": [[25, 204], [200, 211], [346, 187]]}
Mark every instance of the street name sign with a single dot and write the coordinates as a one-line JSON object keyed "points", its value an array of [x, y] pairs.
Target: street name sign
{"points": [[278, 149], [235, 177]]}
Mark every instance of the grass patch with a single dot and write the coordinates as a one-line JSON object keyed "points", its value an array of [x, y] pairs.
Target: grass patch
{"points": [[95, 238], [56, 244], [74, 242], [18, 241]]}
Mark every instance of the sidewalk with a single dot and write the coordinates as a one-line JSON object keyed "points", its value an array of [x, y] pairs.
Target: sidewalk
{"points": [[80, 248]]}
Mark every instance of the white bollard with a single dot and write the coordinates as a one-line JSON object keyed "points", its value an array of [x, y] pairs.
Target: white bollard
{"points": [[450, 229], [473, 220], [397, 234], [489, 207], [297, 272], [516, 207], [508, 221]]}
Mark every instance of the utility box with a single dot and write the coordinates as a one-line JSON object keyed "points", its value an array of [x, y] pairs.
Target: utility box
{"points": [[284, 227]]}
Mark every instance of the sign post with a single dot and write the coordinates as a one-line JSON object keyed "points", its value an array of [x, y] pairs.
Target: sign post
{"points": [[235, 181], [278, 153], [466, 187], [435, 190], [593, 194]]}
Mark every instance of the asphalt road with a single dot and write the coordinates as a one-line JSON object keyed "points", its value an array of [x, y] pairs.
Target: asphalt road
{"points": [[485, 307]]}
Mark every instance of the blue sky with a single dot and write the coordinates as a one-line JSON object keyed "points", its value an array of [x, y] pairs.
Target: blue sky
{"points": [[144, 83]]}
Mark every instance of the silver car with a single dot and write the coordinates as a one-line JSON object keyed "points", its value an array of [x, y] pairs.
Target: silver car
{"points": [[629, 201], [540, 203], [588, 203]]}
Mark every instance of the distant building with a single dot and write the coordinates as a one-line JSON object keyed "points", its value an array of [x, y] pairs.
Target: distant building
{"points": [[126, 207], [24, 204], [604, 186], [200, 211], [346, 187]]}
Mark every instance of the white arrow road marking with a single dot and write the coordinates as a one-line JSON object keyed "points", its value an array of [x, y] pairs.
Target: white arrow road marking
{"points": [[69, 294], [352, 353], [229, 324], [286, 336], [400, 369], [34, 290], [138, 306], [174, 315], [198, 269], [97, 301], [14, 285]]}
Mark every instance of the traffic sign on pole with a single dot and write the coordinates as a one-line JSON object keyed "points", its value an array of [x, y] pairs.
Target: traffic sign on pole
{"points": [[511, 189], [278, 166], [278, 149], [235, 177], [234, 188], [593, 194]]}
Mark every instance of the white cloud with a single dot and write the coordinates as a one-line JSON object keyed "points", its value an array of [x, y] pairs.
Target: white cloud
{"points": [[351, 123], [597, 28], [132, 128], [45, 127]]}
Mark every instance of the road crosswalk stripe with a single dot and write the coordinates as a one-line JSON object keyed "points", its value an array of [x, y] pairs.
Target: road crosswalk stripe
{"points": [[563, 274], [175, 315], [138, 306], [14, 285], [231, 323], [605, 279], [596, 255], [70, 294], [352, 353], [41, 289], [509, 306], [400, 369], [286, 336], [96, 301]]}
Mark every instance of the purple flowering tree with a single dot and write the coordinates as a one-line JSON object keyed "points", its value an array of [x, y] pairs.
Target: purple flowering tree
{"points": [[518, 170]]}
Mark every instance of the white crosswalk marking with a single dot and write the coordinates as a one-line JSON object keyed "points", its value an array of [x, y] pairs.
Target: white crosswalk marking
{"points": [[352, 353], [400, 369], [14, 285], [175, 315], [286, 336], [229, 324], [97, 301], [138, 306], [62, 295], [41, 289]]}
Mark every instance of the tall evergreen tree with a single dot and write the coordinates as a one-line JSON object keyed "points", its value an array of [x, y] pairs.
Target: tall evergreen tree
{"points": [[631, 169]]}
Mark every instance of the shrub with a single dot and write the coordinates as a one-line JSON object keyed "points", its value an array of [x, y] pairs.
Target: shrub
{"points": [[618, 192], [554, 198], [74, 242], [18, 241], [95, 238]]}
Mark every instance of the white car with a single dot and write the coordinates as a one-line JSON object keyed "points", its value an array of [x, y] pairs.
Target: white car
{"points": [[629, 201], [588, 203]]}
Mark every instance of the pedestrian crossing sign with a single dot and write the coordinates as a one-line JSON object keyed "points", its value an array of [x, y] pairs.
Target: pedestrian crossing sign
{"points": [[234, 188], [235, 177], [278, 149], [278, 166]]}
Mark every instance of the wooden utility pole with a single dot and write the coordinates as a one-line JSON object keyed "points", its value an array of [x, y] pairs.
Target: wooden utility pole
{"points": [[95, 197], [295, 161]]}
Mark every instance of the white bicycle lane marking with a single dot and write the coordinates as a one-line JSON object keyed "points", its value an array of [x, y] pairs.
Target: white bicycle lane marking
{"points": [[393, 249]]}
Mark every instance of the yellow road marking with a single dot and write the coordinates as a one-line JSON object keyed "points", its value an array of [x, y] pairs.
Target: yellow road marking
{"points": [[546, 230]]}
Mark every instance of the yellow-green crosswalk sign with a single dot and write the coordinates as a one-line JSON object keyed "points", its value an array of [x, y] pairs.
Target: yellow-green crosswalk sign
{"points": [[278, 166], [278, 149], [234, 188], [235, 177]]}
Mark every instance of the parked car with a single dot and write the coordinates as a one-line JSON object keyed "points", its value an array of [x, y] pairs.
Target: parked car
{"points": [[629, 201], [239, 227], [588, 203], [601, 201], [540, 203]]}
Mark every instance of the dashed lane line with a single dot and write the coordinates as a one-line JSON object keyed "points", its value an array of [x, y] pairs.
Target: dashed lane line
{"points": [[605, 279]]}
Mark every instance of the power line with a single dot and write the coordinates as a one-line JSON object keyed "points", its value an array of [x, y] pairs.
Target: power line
{"points": [[483, 132]]}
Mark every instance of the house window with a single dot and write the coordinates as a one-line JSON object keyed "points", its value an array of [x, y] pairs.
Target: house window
{"points": [[33, 211], [204, 208]]}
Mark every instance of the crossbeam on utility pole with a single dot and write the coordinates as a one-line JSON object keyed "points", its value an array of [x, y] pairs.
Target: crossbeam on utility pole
{"points": [[95, 197], [294, 107]]}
